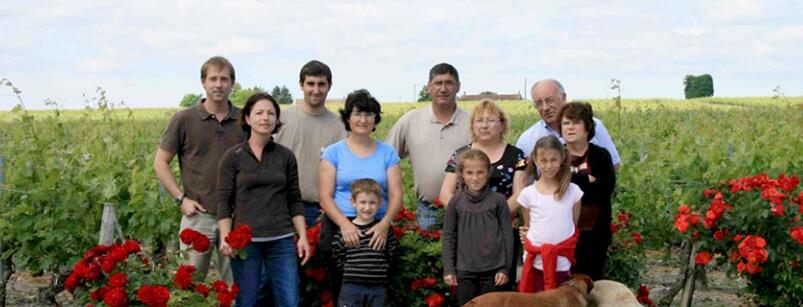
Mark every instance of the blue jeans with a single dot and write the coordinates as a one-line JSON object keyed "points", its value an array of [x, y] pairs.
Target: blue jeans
{"points": [[311, 213], [354, 294], [279, 257], [426, 215]]}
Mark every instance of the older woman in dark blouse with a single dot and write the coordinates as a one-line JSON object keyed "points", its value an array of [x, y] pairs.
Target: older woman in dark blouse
{"points": [[593, 172], [258, 187]]}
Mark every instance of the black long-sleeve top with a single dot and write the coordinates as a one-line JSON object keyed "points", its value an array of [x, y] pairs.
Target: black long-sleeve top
{"points": [[261, 194], [476, 234], [596, 202]]}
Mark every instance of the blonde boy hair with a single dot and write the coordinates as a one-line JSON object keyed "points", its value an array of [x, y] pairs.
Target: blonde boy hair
{"points": [[365, 185]]}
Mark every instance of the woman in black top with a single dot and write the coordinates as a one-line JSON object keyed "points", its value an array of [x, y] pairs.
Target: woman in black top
{"points": [[593, 172], [488, 127], [258, 187]]}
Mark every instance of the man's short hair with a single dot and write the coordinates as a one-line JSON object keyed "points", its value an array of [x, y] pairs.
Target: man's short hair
{"points": [[443, 68], [365, 185], [219, 62], [553, 81], [315, 68], [578, 110]]}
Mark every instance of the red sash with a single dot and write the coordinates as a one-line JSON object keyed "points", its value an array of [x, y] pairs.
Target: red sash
{"points": [[549, 258]]}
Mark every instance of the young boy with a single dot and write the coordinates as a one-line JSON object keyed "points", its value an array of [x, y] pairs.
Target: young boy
{"points": [[365, 271]]}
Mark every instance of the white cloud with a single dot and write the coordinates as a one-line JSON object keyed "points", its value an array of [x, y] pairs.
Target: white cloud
{"points": [[98, 65], [733, 10]]}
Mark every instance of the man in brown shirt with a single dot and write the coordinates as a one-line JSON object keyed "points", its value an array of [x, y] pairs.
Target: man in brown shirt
{"points": [[199, 135]]}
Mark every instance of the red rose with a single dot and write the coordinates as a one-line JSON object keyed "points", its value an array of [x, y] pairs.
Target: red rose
{"points": [[434, 234], [773, 195], [188, 235], [240, 237], [777, 210], [220, 286], [636, 237], [702, 258], [108, 264], [225, 298], [623, 218], [615, 228], [788, 183], [684, 209], [797, 234], [429, 282], [202, 289], [326, 296], [719, 235], [153, 296], [116, 297], [99, 294], [117, 280], [398, 232], [183, 279], [643, 296], [437, 203], [694, 219], [200, 243], [681, 224], [72, 282], [434, 300], [737, 238], [131, 246], [317, 274], [118, 254], [710, 192]]}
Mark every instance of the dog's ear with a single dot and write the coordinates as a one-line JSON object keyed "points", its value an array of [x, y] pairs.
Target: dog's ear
{"points": [[588, 282]]}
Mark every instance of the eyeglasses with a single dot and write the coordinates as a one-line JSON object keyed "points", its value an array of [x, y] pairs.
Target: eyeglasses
{"points": [[549, 101], [366, 115], [489, 120]]}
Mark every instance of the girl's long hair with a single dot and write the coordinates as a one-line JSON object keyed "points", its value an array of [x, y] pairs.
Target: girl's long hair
{"points": [[564, 173]]}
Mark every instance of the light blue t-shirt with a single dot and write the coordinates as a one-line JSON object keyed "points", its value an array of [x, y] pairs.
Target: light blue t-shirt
{"points": [[350, 167]]}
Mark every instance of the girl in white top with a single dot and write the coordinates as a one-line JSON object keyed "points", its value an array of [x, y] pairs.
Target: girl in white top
{"points": [[551, 202]]}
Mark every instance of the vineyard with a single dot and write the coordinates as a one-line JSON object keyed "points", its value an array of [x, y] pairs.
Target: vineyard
{"points": [[62, 166]]}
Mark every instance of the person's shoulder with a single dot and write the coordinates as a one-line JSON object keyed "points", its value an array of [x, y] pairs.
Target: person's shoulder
{"points": [[283, 150], [574, 188], [531, 132], [235, 150], [336, 146]]}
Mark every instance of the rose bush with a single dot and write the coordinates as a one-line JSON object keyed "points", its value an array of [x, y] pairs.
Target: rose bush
{"points": [[626, 253], [121, 275], [753, 226]]}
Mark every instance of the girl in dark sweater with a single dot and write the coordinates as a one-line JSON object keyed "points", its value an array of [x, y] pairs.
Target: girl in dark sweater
{"points": [[592, 170], [477, 242]]}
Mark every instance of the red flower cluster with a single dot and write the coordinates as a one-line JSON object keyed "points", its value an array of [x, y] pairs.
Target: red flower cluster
{"points": [[225, 295], [715, 210], [797, 234], [636, 237], [623, 218], [317, 274], [116, 297], [753, 249], [703, 258], [100, 258], [426, 282], [684, 218], [153, 296], [240, 237], [398, 232], [435, 300], [404, 214], [643, 296], [719, 235], [437, 203], [764, 182], [183, 278], [313, 236], [197, 240], [432, 234]]}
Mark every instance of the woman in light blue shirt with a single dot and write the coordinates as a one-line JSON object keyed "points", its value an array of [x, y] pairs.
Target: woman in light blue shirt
{"points": [[357, 156]]}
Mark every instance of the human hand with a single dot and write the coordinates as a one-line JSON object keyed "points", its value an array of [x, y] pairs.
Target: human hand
{"points": [[351, 235], [379, 235], [190, 207], [226, 250], [450, 280], [500, 279], [303, 249], [523, 233]]}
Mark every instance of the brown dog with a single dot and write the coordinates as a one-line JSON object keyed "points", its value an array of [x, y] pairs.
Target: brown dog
{"points": [[571, 293]]}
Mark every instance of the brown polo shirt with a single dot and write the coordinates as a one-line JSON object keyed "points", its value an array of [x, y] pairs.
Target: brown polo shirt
{"points": [[199, 141]]}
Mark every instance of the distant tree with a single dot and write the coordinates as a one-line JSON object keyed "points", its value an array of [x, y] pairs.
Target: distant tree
{"points": [[190, 99], [777, 92], [423, 94], [239, 94], [487, 93], [698, 86], [282, 95]]}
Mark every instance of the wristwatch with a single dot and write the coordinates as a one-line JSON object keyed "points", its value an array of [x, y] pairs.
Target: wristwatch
{"points": [[180, 199]]}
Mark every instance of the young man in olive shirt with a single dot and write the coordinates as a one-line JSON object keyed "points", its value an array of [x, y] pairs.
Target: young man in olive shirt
{"points": [[308, 128], [199, 135]]}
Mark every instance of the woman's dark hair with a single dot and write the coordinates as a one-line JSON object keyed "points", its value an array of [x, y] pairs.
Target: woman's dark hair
{"points": [[579, 110], [360, 101], [249, 105]]}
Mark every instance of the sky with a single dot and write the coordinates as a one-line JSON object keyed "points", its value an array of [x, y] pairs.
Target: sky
{"points": [[148, 53]]}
